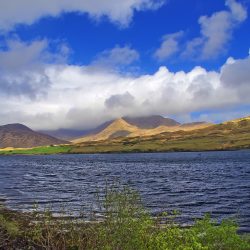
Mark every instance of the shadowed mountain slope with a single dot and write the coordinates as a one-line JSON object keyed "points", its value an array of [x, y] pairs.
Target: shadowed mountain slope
{"points": [[149, 122], [20, 136]]}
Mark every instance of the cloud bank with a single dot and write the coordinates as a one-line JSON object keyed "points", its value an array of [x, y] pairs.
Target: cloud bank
{"points": [[47, 95]]}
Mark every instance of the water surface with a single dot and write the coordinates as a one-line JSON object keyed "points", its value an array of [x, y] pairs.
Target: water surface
{"points": [[193, 183]]}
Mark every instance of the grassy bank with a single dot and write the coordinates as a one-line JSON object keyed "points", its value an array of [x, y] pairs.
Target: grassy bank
{"points": [[132, 146], [126, 225], [61, 149]]}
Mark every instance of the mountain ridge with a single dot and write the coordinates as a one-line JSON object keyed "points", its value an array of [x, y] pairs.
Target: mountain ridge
{"points": [[144, 126]]}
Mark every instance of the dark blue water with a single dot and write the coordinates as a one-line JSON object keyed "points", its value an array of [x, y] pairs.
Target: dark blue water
{"points": [[193, 183]]}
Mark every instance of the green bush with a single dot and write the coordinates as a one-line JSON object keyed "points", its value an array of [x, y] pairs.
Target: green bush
{"points": [[126, 225]]}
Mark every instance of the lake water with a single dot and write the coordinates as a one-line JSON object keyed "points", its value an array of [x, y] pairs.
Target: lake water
{"points": [[192, 183]]}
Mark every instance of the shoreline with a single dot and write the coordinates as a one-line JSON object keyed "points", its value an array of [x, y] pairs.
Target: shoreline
{"points": [[7, 153]]}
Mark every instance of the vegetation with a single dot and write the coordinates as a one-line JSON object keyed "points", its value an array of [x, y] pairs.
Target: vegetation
{"points": [[61, 149], [226, 136], [125, 225]]}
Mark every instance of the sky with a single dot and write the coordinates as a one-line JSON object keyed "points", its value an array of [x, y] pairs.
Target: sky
{"points": [[77, 63]]}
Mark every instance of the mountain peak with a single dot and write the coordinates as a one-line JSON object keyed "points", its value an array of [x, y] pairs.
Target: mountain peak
{"points": [[121, 124], [16, 126], [117, 127]]}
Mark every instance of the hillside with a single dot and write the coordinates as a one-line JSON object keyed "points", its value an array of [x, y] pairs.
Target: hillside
{"points": [[140, 127], [20, 136], [231, 135]]}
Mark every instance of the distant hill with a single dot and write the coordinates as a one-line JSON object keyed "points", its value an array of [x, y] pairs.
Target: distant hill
{"points": [[20, 136], [138, 126]]}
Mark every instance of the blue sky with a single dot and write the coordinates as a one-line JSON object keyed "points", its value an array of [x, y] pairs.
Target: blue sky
{"points": [[76, 64], [87, 37]]}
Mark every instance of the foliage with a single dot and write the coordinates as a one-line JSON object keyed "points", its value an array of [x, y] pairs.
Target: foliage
{"points": [[126, 225]]}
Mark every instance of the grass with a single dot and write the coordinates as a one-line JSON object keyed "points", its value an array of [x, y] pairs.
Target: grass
{"points": [[61, 149], [126, 225]]}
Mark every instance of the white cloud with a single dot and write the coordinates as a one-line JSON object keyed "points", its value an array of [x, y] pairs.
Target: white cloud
{"points": [[28, 11], [23, 67], [216, 31], [49, 96], [169, 46]]}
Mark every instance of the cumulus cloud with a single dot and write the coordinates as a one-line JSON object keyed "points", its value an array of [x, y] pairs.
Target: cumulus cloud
{"points": [[43, 91], [169, 46], [236, 72], [28, 11], [216, 31], [21, 70], [49, 96], [23, 67]]}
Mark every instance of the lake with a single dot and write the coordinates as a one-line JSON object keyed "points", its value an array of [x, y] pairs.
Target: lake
{"points": [[192, 183]]}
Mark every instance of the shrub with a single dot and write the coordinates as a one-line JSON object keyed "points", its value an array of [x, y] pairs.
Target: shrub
{"points": [[126, 225]]}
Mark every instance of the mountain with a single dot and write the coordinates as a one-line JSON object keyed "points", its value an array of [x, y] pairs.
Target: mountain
{"points": [[20, 136], [145, 122], [139, 127], [149, 122], [117, 128]]}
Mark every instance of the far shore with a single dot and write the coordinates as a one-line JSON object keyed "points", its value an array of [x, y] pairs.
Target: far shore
{"points": [[60, 150]]}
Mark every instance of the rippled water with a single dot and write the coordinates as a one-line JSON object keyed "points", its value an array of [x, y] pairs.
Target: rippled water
{"points": [[193, 183]]}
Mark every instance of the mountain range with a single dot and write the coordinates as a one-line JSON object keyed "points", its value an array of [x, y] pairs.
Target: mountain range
{"points": [[143, 123], [135, 133], [139, 127]]}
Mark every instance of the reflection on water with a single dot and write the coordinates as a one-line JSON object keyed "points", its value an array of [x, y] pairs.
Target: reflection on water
{"points": [[193, 183]]}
